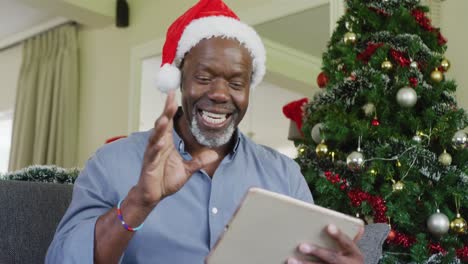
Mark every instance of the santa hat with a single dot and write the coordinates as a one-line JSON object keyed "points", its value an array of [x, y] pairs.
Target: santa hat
{"points": [[207, 19]]}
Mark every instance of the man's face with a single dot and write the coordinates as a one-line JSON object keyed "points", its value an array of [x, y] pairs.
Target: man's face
{"points": [[216, 76]]}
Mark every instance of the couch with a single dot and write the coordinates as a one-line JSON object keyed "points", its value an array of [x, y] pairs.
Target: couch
{"points": [[30, 212]]}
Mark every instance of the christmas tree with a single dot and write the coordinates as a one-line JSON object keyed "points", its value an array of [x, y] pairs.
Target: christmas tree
{"points": [[384, 140]]}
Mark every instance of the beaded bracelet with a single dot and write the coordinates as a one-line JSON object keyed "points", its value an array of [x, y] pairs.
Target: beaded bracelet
{"points": [[119, 215]]}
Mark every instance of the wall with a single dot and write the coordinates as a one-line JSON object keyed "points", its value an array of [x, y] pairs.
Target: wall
{"points": [[454, 23], [105, 70]]}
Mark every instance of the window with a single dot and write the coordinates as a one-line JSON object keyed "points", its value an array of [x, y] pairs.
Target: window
{"points": [[6, 126], [10, 64]]}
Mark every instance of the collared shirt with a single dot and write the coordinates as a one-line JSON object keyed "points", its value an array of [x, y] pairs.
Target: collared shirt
{"points": [[183, 227]]}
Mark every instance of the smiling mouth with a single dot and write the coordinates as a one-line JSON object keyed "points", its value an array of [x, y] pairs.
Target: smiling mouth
{"points": [[213, 120]]}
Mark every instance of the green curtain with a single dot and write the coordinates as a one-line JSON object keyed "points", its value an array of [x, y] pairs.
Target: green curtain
{"points": [[45, 120]]}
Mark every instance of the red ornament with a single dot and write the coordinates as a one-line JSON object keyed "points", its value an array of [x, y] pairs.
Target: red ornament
{"points": [[322, 80], [413, 81], [391, 235], [425, 23], [375, 122]]}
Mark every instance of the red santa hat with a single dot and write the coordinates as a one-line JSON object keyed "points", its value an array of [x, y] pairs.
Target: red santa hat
{"points": [[207, 19]]}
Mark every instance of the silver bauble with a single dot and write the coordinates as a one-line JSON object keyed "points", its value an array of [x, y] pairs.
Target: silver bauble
{"points": [[445, 159], [355, 161], [438, 224], [414, 65], [407, 97], [316, 133], [459, 140]]}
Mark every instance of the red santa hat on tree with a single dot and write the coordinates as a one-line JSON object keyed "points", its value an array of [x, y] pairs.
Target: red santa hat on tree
{"points": [[207, 19]]}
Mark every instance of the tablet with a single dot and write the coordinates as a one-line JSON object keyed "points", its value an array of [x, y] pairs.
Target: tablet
{"points": [[267, 228]]}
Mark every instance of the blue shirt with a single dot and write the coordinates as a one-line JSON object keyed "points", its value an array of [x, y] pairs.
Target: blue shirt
{"points": [[184, 226]]}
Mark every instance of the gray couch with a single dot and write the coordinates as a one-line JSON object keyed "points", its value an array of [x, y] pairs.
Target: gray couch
{"points": [[31, 211], [29, 215]]}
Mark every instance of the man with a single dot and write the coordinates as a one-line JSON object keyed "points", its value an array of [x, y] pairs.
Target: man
{"points": [[184, 178]]}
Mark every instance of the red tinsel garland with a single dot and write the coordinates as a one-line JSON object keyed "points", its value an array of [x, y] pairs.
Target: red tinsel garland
{"points": [[425, 23], [369, 51], [462, 253], [399, 57], [377, 203], [436, 248]]}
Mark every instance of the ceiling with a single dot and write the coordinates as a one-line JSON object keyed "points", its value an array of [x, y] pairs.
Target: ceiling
{"points": [[305, 31], [16, 17]]}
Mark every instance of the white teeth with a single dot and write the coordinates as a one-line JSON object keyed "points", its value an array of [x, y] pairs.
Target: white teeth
{"points": [[213, 117]]}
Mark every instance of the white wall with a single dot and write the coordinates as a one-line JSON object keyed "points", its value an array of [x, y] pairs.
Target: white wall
{"points": [[454, 21]]}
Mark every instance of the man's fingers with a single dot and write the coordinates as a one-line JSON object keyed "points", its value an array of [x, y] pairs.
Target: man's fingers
{"points": [[160, 127], [359, 234], [329, 256], [164, 123], [344, 242]]}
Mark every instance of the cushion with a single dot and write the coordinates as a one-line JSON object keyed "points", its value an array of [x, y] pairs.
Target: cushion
{"points": [[372, 241], [30, 213]]}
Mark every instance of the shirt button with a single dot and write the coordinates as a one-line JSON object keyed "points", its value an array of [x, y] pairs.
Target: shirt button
{"points": [[214, 210]]}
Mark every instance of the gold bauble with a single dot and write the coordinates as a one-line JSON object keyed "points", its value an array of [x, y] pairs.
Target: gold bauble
{"points": [[445, 159], [387, 65], [458, 225], [445, 64], [437, 76], [321, 150], [350, 38], [398, 186]]}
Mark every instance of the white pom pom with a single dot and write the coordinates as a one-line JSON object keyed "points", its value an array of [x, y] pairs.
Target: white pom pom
{"points": [[168, 78]]}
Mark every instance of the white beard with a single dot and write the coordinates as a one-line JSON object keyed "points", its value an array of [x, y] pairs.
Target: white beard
{"points": [[220, 139]]}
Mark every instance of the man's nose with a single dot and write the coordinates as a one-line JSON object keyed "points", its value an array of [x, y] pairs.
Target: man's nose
{"points": [[219, 91]]}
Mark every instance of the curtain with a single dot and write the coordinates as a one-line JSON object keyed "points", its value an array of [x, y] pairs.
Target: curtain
{"points": [[46, 110]]}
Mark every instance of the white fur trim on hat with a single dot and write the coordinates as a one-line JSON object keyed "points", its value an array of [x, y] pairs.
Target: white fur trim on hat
{"points": [[168, 78], [221, 26]]}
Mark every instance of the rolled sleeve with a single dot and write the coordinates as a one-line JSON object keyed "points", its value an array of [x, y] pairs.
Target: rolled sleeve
{"points": [[93, 196]]}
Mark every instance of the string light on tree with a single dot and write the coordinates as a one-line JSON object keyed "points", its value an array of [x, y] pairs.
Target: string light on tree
{"points": [[414, 64], [397, 186]]}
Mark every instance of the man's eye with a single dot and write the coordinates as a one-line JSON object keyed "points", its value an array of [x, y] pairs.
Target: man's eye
{"points": [[236, 85], [203, 79]]}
